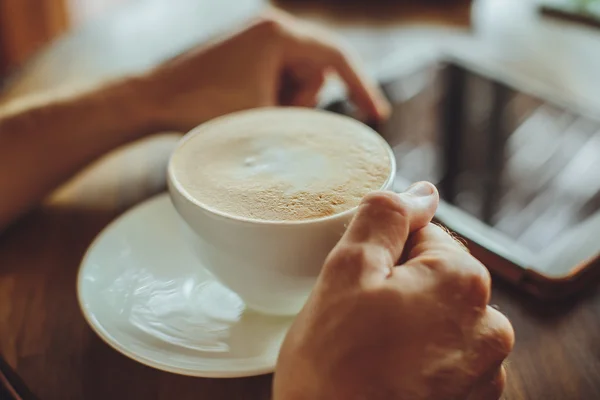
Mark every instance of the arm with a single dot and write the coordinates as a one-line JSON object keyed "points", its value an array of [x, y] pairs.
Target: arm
{"points": [[44, 142]]}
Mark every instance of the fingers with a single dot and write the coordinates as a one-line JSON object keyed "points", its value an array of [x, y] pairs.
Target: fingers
{"points": [[463, 284], [364, 93], [308, 89], [376, 236], [462, 279], [309, 42], [490, 387], [494, 339], [434, 237]]}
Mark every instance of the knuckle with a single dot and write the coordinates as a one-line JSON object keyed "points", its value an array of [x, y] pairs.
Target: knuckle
{"points": [[436, 263], [446, 260], [497, 385], [499, 338], [500, 380], [419, 243], [471, 278], [339, 53], [490, 389], [269, 23], [476, 283], [463, 273], [506, 337], [386, 202], [348, 257], [354, 260]]}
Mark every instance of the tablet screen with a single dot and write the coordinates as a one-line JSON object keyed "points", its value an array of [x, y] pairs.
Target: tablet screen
{"points": [[521, 165]]}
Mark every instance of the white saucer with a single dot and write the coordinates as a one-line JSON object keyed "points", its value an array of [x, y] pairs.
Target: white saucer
{"points": [[145, 294]]}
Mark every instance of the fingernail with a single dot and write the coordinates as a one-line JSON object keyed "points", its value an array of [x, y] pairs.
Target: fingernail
{"points": [[420, 189]]}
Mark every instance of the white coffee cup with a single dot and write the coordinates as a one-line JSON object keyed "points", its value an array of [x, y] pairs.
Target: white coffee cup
{"points": [[271, 265]]}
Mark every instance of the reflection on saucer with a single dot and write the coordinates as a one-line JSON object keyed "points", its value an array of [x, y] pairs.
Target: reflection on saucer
{"points": [[143, 291], [190, 311]]}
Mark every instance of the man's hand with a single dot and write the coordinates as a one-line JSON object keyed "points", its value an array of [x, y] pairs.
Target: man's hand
{"points": [[378, 328], [277, 60]]}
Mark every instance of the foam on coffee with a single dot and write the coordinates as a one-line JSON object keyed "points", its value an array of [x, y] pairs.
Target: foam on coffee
{"points": [[283, 164]]}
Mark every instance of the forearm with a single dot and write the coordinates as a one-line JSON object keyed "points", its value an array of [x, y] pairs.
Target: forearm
{"points": [[44, 144]]}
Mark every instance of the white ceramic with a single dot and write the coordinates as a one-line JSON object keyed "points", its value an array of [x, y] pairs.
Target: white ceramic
{"points": [[144, 293], [272, 265]]}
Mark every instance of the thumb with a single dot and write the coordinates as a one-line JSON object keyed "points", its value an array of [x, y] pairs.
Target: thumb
{"points": [[375, 238]]}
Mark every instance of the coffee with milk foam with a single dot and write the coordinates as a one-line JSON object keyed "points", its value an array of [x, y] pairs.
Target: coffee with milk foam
{"points": [[281, 165]]}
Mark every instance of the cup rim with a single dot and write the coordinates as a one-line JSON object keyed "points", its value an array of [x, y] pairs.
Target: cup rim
{"points": [[178, 187]]}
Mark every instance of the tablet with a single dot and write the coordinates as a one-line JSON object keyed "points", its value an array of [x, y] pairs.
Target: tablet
{"points": [[518, 173]]}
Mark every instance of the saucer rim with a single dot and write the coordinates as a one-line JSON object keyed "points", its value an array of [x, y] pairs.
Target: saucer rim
{"points": [[98, 328]]}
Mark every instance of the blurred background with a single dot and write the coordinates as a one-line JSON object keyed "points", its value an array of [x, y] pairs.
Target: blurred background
{"points": [[27, 25]]}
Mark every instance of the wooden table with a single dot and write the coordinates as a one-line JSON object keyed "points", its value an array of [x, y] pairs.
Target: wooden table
{"points": [[42, 333]]}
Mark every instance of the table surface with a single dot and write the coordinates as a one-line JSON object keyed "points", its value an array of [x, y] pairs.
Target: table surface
{"points": [[43, 335]]}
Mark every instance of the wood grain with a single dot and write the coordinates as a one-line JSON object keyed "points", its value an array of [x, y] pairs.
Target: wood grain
{"points": [[42, 333]]}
